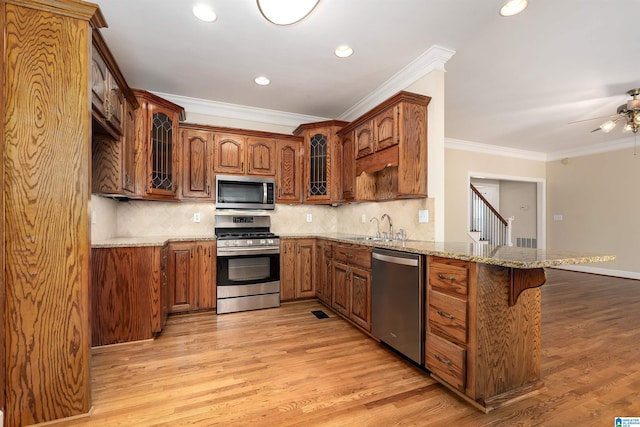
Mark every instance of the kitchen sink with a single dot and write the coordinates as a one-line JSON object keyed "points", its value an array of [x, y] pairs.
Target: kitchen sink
{"points": [[371, 239]]}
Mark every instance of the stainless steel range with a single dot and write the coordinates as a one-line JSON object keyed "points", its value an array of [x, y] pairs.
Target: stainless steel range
{"points": [[248, 263]]}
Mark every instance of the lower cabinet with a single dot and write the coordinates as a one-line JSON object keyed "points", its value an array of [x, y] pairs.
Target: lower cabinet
{"points": [[351, 281], [127, 299], [297, 268], [191, 269], [324, 279]]}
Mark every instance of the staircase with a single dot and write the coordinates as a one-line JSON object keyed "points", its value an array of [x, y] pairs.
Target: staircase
{"points": [[487, 225]]}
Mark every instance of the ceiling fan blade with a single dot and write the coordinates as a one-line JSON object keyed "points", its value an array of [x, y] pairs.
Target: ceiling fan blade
{"points": [[595, 130], [592, 118]]}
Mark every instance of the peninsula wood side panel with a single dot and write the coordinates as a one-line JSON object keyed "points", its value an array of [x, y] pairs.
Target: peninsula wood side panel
{"points": [[2, 264], [47, 142], [125, 294]]}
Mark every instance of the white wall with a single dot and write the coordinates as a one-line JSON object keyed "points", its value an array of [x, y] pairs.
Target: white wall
{"points": [[598, 197]]}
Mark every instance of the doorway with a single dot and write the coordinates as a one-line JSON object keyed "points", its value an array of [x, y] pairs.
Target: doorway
{"points": [[523, 199]]}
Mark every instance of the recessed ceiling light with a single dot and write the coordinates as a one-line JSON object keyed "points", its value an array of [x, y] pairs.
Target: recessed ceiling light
{"points": [[204, 12], [343, 51], [513, 7], [262, 80]]}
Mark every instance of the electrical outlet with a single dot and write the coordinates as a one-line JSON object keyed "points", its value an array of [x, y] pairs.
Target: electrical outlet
{"points": [[309, 218], [196, 217], [423, 216], [364, 218], [558, 217]]}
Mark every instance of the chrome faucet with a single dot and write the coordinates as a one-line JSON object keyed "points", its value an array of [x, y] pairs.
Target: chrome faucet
{"points": [[377, 226], [390, 225]]}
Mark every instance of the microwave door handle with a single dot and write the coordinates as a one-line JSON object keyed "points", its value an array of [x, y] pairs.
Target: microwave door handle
{"points": [[264, 192]]}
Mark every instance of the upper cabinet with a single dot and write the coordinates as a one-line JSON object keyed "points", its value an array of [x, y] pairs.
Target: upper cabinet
{"points": [[197, 155], [230, 153], [289, 171], [245, 155], [261, 156], [322, 161], [113, 125], [156, 135], [391, 149]]}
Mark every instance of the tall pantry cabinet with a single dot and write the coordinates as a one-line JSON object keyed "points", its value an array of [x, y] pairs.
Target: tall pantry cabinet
{"points": [[45, 141]]}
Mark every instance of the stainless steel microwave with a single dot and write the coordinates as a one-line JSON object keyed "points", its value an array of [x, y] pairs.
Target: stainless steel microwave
{"points": [[245, 192]]}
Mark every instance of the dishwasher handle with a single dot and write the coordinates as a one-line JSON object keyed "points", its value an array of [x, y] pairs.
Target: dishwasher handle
{"points": [[396, 260]]}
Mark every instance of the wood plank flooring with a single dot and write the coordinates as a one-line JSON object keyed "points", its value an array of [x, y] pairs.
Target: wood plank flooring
{"points": [[285, 367]]}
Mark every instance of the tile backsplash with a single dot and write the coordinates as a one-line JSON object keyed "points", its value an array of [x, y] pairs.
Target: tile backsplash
{"points": [[154, 218]]}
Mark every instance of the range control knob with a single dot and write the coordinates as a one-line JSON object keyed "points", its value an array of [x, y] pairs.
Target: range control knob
{"points": [[263, 242], [270, 241], [249, 242]]}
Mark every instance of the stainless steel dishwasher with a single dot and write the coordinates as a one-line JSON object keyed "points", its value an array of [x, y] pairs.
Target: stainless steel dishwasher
{"points": [[397, 300]]}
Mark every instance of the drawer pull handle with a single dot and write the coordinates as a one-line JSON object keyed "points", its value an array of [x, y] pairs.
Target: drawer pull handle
{"points": [[443, 277], [448, 316], [349, 256], [443, 360]]}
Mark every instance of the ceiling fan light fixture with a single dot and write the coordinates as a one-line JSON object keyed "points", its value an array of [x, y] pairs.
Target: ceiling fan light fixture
{"points": [[286, 12], [513, 7], [204, 12], [608, 126]]}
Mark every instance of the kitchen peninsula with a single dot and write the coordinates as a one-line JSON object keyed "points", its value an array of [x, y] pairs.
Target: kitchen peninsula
{"points": [[483, 307]]}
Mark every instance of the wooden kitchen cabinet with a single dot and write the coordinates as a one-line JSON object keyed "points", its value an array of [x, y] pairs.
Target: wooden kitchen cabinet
{"points": [[113, 142], [107, 99], [261, 156], [230, 153], [157, 172], [297, 268], [324, 258], [322, 162], [351, 292], [192, 276], [391, 149], [197, 164], [377, 133], [127, 302], [348, 176], [481, 341], [245, 155], [289, 172]]}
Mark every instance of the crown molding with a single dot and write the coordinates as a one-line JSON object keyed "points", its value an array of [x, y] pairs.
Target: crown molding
{"points": [[496, 150], [432, 60], [603, 147], [236, 111]]}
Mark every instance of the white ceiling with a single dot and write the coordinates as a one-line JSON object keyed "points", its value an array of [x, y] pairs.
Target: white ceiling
{"points": [[514, 82]]}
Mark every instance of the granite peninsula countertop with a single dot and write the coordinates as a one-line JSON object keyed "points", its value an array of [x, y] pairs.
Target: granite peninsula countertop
{"points": [[505, 256]]}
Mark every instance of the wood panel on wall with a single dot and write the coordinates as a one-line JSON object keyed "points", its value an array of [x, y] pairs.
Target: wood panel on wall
{"points": [[47, 133]]}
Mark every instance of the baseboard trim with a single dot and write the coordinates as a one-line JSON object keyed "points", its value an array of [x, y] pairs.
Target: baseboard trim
{"points": [[601, 271]]}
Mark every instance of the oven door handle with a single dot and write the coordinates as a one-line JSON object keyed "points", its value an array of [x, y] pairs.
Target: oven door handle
{"points": [[248, 251]]}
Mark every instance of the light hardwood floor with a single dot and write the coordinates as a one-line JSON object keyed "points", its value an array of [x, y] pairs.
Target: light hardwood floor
{"points": [[283, 367]]}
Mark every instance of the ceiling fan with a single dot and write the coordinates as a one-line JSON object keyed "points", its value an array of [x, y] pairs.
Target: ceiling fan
{"points": [[628, 113]]}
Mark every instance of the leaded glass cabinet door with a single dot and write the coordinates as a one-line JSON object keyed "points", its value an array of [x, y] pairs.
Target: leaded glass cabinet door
{"points": [[162, 162], [318, 167]]}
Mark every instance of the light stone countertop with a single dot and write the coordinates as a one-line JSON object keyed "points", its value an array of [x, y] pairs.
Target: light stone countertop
{"points": [[505, 256]]}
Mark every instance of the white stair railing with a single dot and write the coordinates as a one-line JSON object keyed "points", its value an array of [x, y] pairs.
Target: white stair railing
{"points": [[485, 219]]}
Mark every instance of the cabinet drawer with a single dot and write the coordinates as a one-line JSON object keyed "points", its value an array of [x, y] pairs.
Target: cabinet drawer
{"points": [[354, 255], [449, 276], [448, 317], [446, 360]]}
